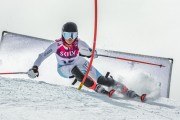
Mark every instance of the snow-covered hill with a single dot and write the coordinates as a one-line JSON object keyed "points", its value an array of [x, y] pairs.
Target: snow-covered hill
{"points": [[25, 99]]}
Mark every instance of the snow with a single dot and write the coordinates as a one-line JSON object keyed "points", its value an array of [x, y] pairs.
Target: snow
{"points": [[25, 99]]}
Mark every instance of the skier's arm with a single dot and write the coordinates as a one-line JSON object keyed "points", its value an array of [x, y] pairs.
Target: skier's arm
{"points": [[33, 72], [45, 54], [85, 50]]}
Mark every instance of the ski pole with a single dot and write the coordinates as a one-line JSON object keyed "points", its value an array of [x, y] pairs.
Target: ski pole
{"points": [[137, 61], [5, 73]]}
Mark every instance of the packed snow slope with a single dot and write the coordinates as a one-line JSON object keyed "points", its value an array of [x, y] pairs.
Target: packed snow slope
{"points": [[25, 99]]}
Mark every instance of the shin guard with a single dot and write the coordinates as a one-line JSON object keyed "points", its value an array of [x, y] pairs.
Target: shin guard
{"points": [[90, 83], [105, 81]]}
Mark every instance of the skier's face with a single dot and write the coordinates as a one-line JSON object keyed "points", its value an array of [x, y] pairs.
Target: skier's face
{"points": [[70, 36], [69, 41]]}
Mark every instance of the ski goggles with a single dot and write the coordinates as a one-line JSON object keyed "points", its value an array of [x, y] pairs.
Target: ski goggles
{"points": [[72, 35]]}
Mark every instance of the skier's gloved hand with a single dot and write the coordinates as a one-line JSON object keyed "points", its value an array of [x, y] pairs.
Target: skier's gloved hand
{"points": [[33, 72], [87, 52]]}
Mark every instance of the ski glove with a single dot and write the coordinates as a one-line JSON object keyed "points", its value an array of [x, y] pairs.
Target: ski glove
{"points": [[87, 52], [33, 72]]}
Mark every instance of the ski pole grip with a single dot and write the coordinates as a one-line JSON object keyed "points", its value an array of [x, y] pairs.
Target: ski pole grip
{"points": [[107, 74]]}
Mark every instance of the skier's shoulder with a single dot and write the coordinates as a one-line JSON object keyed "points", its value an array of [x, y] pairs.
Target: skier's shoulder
{"points": [[54, 45], [58, 42], [82, 43]]}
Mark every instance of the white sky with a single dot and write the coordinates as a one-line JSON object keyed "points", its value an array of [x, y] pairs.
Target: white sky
{"points": [[149, 27]]}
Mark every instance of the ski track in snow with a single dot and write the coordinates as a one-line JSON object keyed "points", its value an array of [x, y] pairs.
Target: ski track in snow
{"points": [[25, 99]]}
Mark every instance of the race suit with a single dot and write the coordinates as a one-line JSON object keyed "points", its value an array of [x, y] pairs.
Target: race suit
{"points": [[68, 58]]}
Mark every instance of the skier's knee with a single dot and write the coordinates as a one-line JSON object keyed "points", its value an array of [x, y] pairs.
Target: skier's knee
{"points": [[89, 82], [106, 81], [77, 73]]}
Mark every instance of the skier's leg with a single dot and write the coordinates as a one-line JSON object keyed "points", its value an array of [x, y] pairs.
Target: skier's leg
{"points": [[89, 82], [106, 81], [110, 82], [64, 72], [124, 90]]}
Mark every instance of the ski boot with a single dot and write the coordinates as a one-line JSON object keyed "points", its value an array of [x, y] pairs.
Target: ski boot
{"points": [[100, 89], [132, 94], [111, 92], [143, 97]]}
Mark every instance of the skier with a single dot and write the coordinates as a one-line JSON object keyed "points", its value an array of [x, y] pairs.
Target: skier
{"points": [[70, 50]]}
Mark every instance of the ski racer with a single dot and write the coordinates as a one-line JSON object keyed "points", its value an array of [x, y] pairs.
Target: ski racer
{"points": [[70, 52]]}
